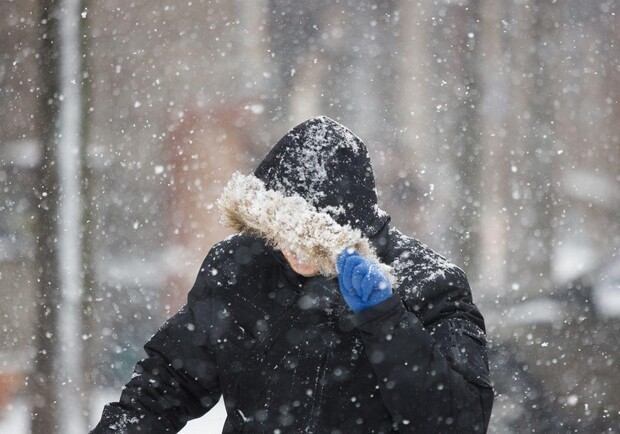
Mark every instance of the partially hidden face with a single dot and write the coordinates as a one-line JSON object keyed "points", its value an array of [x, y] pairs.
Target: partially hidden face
{"points": [[299, 267]]}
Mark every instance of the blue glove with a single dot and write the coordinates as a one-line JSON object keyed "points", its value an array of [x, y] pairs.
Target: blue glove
{"points": [[361, 282]]}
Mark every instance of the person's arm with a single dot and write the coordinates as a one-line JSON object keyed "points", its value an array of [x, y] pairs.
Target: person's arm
{"points": [[433, 380], [429, 382], [177, 381]]}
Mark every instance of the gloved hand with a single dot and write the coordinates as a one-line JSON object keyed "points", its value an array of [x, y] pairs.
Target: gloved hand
{"points": [[361, 282]]}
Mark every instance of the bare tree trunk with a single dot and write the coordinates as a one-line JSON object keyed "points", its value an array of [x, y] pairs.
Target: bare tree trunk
{"points": [[290, 24], [458, 95], [58, 377], [90, 294], [45, 393], [532, 193], [467, 125]]}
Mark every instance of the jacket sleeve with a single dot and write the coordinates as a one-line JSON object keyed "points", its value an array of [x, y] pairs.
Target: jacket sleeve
{"points": [[431, 380], [177, 381]]}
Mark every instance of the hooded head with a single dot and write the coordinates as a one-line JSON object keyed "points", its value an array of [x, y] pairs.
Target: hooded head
{"points": [[314, 191], [326, 164]]}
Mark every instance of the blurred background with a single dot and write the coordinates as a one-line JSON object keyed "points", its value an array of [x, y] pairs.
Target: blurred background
{"points": [[494, 128]]}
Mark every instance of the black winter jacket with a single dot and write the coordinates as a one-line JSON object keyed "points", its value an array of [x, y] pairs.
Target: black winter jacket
{"points": [[415, 363], [288, 356]]}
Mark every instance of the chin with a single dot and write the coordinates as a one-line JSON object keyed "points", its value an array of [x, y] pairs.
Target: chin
{"points": [[306, 272]]}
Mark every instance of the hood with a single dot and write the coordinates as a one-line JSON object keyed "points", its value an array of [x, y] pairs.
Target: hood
{"points": [[314, 193], [326, 164]]}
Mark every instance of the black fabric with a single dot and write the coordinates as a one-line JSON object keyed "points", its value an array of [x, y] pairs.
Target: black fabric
{"points": [[414, 363], [286, 353], [326, 164]]}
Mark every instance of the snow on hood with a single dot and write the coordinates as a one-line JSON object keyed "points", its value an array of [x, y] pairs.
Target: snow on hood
{"points": [[326, 164], [291, 222], [313, 193]]}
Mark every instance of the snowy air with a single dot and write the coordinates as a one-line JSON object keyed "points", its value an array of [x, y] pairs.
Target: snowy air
{"points": [[286, 216]]}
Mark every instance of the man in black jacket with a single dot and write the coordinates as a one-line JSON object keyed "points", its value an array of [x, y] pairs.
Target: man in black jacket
{"points": [[318, 317]]}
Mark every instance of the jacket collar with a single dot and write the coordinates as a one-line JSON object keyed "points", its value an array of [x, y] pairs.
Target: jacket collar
{"points": [[381, 240]]}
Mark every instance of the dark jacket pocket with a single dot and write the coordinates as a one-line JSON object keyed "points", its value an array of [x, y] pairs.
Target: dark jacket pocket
{"points": [[466, 350]]}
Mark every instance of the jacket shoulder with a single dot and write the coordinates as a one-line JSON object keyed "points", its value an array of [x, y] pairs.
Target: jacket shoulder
{"points": [[430, 285], [232, 260], [416, 264], [239, 248]]}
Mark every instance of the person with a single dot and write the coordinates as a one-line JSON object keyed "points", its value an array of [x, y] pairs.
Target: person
{"points": [[318, 316]]}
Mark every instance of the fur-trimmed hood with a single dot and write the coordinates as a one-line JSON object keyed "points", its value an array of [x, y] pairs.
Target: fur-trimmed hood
{"points": [[314, 194]]}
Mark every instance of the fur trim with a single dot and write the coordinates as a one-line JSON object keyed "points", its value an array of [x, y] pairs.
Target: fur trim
{"points": [[290, 222]]}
